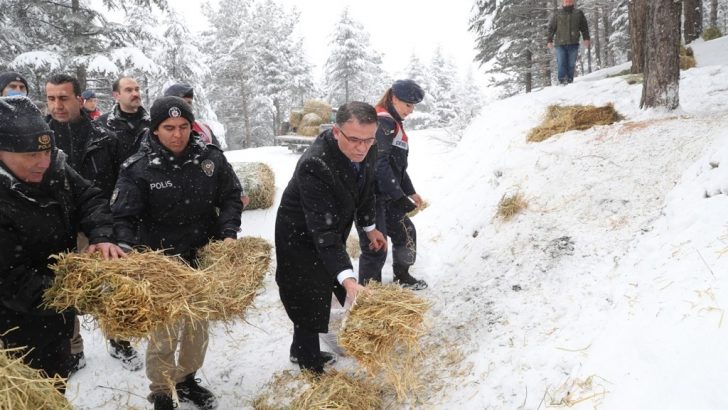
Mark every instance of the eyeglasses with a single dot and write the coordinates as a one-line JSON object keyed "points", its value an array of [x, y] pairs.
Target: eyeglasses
{"points": [[359, 141]]}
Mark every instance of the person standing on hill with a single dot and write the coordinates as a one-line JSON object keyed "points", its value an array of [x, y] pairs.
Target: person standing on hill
{"points": [[564, 29], [396, 196]]}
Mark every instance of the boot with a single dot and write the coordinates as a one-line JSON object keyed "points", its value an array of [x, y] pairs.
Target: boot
{"points": [[122, 350], [189, 390], [162, 401], [404, 279], [77, 362], [327, 358]]}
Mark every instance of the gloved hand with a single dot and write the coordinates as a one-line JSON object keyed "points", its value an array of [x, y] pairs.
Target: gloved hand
{"points": [[404, 204]]}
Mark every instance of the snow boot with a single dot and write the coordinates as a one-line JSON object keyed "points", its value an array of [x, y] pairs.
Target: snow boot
{"points": [[122, 350], [190, 390], [404, 279], [76, 362], [161, 401]]}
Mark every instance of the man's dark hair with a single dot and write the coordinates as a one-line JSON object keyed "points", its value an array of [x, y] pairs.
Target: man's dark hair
{"points": [[58, 79], [115, 84], [362, 112]]}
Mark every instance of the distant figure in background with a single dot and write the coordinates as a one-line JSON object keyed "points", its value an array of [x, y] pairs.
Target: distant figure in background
{"points": [[13, 84], [44, 203], [563, 33], [185, 92], [396, 196], [90, 104], [332, 185]]}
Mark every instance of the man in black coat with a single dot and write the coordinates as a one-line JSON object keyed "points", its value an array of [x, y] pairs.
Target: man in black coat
{"points": [[44, 203], [177, 193], [127, 119], [332, 185]]}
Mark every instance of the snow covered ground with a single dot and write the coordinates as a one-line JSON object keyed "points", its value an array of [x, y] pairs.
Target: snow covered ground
{"points": [[608, 291]]}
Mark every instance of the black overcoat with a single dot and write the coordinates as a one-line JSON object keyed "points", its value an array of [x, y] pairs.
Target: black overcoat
{"points": [[314, 219]]}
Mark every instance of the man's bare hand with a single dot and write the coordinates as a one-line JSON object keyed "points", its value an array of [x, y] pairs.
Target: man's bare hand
{"points": [[108, 250]]}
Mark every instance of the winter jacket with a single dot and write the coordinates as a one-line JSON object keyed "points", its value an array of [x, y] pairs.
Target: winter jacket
{"points": [[37, 221], [393, 182], [92, 114], [176, 203], [128, 130], [91, 150], [314, 219], [205, 133], [566, 25]]}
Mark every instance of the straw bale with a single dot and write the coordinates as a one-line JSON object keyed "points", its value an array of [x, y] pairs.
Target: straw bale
{"points": [[24, 388], [352, 247], [259, 182], [381, 332], [560, 119], [510, 205], [309, 131], [311, 120], [130, 297], [318, 107], [238, 268], [295, 117], [687, 62], [424, 205]]}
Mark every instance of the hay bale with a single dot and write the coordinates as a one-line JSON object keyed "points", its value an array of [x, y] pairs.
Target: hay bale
{"points": [[424, 206], [560, 119], [310, 120], [309, 131], [259, 182], [510, 205], [294, 118], [381, 332], [25, 388], [687, 62], [238, 268], [318, 107], [352, 247], [131, 297]]}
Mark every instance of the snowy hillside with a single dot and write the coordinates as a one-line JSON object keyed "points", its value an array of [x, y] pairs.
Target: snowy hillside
{"points": [[610, 286]]}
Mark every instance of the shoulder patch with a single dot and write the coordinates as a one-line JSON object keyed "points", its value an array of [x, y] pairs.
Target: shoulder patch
{"points": [[132, 159]]}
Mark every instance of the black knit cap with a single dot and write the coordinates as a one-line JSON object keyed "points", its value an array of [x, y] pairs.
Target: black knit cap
{"points": [[180, 90], [169, 107], [22, 128], [408, 91], [8, 76]]}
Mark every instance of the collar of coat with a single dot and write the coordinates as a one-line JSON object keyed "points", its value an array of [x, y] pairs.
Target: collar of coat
{"points": [[94, 133], [160, 157], [115, 119], [37, 193]]}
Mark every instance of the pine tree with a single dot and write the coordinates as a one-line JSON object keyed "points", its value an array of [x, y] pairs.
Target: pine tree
{"points": [[424, 115], [444, 78]]}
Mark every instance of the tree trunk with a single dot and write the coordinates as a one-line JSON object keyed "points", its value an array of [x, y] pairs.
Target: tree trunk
{"points": [[597, 36], [80, 68], [529, 71], [608, 55], [693, 22], [713, 13], [662, 60], [637, 23]]}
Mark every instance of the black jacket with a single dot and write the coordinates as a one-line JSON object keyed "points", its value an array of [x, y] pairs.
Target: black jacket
{"points": [[128, 133], [37, 221], [91, 150], [177, 204], [393, 182], [314, 219]]}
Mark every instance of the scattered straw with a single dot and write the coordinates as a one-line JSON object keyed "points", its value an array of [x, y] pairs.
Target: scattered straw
{"points": [[24, 388], [259, 182], [352, 247], [576, 391], [510, 205], [424, 206], [381, 332], [239, 268], [132, 296], [560, 119]]}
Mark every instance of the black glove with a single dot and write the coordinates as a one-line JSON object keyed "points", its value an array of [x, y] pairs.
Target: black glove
{"points": [[404, 204]]}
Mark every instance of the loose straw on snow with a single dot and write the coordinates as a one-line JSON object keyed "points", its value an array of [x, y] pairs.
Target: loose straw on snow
{"points": [[381, 332], [559, 119], [130, 297], [24, 388]]}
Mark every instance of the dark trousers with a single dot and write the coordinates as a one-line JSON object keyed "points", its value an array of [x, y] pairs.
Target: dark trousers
{"points": [[566, 61], [397, 225], [307, 348], [46, 339]]}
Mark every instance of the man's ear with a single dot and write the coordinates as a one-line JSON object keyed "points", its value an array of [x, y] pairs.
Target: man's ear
{"points": [[115, 94]]}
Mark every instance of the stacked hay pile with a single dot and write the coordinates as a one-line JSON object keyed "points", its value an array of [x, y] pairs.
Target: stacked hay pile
{"points": [[382, 332], [294, 119], [315, 113], [259, 182], [132, 296], [24, 388], [560, 119]]}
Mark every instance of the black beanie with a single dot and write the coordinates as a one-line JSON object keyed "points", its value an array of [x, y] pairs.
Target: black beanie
{"points": [[408, 91], [22, 128], [8, 76], [169, 107], [180, 90]]}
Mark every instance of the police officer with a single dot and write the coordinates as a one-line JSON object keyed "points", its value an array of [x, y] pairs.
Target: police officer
{"points": [[177, 193], [44, 203]]}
